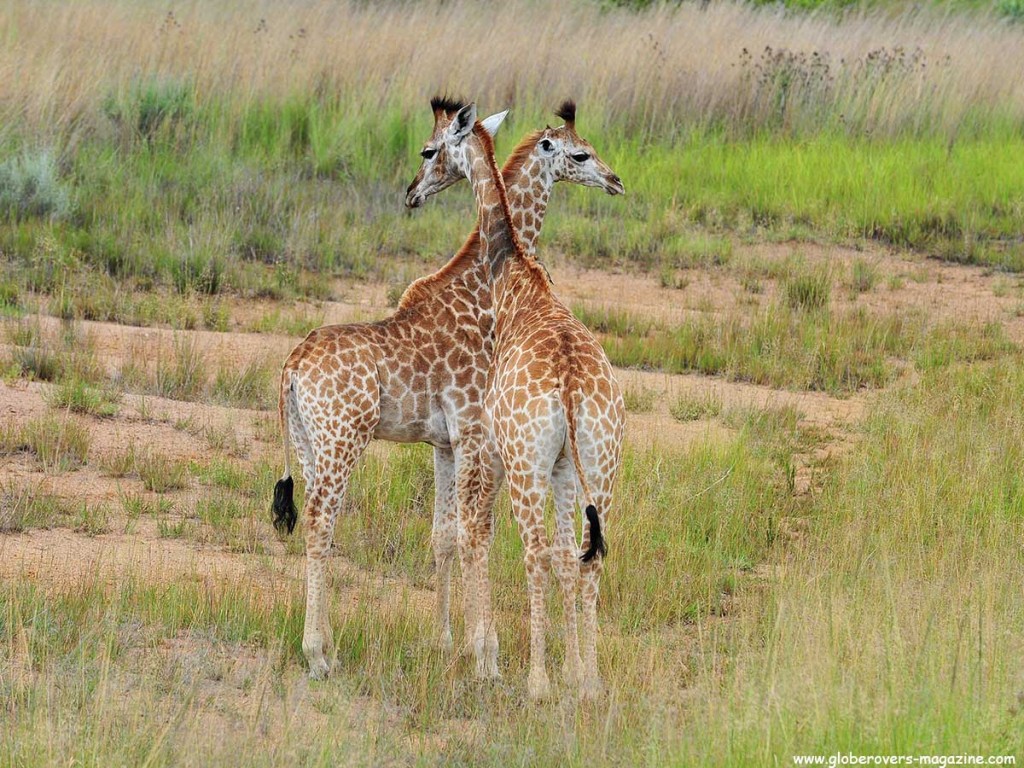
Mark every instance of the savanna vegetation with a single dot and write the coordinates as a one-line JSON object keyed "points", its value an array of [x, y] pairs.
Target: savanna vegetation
{"points": [[813, 279]]}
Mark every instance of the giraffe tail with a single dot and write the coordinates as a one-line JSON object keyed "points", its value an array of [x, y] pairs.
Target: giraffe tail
{"points": [[597, 546], [283, 507]]}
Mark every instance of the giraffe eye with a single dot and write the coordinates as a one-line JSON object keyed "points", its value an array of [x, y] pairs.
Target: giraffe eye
{"points": [[428, 153], [580, 157]]}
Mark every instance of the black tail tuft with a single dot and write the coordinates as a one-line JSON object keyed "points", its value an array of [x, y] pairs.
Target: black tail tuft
{"points": [[284, 506], [597, 546]]}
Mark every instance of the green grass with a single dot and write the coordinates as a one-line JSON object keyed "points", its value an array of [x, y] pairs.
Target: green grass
{"points": [[23, 508], [182, 375], [863, 276], [835, 351], [808, 289], [694, 407], [75, 395], [251, 386], [712, 621], [166, 217], [639, 399], [160, 474], [58, 443]]}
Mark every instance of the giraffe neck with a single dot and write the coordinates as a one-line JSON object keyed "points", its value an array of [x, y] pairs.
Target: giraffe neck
{"points": [[498, 240], [528, 184], [500, 247]]}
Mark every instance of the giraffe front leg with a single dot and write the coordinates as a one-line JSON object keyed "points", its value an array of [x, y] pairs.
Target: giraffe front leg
{"points": [[444, 538], [490, 482], [474, 543]]}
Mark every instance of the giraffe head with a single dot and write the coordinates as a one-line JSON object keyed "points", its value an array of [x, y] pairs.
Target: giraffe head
{"points": [[445, 159], [567, 156]]}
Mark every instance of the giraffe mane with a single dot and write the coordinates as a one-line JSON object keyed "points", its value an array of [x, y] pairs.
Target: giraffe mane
{"points": [[533, 268], [465, 258], [519, 155]]}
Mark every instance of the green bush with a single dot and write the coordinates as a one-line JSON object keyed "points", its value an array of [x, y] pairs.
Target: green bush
{"points": [[30, 187]]}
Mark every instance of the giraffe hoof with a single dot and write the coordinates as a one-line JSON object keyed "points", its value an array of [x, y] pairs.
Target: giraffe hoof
{"points": [[572, 673], [444, 641], [591, 689], [538, 686], [319, 669], [487, 669], [491, 671]]}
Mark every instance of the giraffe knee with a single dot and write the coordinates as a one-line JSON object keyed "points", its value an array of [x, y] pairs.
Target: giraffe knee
{"points": [[566, 559], [443, 539], [538, 560]]}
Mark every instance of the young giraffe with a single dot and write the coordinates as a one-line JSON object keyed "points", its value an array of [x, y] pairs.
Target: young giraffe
{"points": [[417, 376], [552, 405]]}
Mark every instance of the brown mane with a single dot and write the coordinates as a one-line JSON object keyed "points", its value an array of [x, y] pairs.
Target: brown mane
{"points": [[465, 258], [499, 185]]}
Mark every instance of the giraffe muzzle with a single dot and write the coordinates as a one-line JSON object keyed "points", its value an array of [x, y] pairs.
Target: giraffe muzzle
{"points": [[413, 199], [615, 186]]}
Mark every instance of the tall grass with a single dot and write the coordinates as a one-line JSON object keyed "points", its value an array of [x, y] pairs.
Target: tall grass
{"points": [[214, 172], [667, 69]]}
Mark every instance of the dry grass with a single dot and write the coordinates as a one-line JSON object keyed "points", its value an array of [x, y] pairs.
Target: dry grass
{"points": [[665, 68]]}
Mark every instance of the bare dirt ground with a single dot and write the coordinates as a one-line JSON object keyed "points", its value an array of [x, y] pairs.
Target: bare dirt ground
{"points": [[904, 283]]}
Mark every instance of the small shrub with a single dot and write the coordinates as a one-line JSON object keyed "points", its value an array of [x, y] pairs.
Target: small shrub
{"points": [[119, 464], [863, 277], [75, 395], [1011, 9], [152, 107], [58, 444], [395, 291], [216, 317], [160, 474], [185, 376], [615, 321], [24, 508], [639, 399], [176, 529], [30, 187], [249, 387], [695, 407], [92, 520], [198, 271], [672, 278], [809, 290], [9, 298]]}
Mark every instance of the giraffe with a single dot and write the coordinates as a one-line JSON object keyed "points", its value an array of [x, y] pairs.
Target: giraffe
{"points": [[551, 406], [417, 376]]}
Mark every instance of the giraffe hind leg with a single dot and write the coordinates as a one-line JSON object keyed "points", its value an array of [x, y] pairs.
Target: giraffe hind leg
{"points": [[527, 493], [566, 561], [592, 686], [323, 504]]}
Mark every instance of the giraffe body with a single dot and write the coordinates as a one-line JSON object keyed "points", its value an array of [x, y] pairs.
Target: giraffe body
{"points": [[552, 408], [417, 376]]}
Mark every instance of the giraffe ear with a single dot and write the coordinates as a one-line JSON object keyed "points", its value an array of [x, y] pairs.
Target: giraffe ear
{"points": [[463, 122], [492, 123]]}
